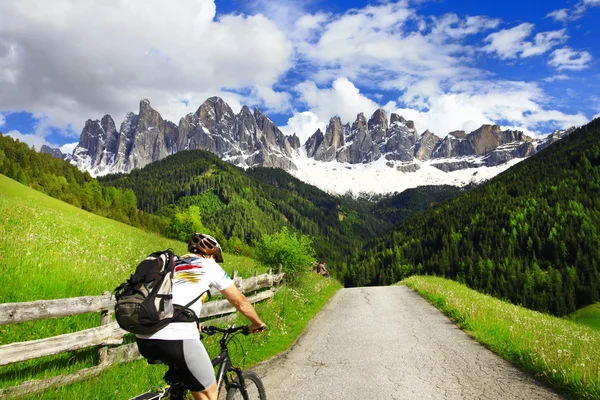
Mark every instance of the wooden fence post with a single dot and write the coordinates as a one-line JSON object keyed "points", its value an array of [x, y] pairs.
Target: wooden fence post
{"points": [[105, 319], [279, 270]]}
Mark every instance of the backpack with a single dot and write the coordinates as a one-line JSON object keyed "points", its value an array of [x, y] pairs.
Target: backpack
{"points": [[145, 301]]}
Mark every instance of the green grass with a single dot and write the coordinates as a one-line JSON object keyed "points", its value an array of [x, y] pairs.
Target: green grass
{"points": [[560, 352], [589, 316], [51, 250]]}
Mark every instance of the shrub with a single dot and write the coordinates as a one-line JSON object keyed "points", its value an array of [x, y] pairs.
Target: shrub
{"points": [[293, 251]]}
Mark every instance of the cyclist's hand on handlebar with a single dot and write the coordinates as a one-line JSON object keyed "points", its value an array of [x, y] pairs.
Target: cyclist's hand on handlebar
{"points": [[207, 330], [256, 328]]}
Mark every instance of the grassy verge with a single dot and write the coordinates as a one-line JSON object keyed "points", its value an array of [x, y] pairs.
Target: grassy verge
{"points": [[560, 352], [51, 250]]}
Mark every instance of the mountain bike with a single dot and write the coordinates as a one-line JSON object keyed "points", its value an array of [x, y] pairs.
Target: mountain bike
{"points": [[238, 384]]}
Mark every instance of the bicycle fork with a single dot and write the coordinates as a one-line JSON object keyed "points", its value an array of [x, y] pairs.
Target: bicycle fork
{"points": [[225, 366]]}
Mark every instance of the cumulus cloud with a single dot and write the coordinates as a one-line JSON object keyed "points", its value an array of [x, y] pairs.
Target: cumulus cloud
{"points": [[74, 60], [374, 44], [342, 99], [68, 148], [303, 124], [2, 120], [569, 59], [511, 43], [470, 105]]}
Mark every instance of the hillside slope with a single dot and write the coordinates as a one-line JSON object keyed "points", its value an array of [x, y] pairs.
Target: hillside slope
{"points": [[530, 235], [244, 206]]}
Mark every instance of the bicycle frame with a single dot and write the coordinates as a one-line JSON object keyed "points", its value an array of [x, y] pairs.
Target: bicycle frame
{"points": [[224, 362]]}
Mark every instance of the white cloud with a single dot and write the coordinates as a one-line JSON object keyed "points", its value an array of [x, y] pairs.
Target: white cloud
{"points": [[68, 148], [303, 124], [30, 139], [374, 44], [450, 26], [58, 61], [342, 99], [469, 105], [568, 59], [557, 78], [577, 12], [561, 15], [511, 43], [2, 120], [507, 43]]}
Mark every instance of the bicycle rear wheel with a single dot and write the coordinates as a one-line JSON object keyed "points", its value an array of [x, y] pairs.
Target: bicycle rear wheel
{"points": [[254, 387]]}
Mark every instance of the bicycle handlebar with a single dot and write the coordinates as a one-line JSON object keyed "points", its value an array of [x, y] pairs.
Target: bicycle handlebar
{"points": [[211, 329]]}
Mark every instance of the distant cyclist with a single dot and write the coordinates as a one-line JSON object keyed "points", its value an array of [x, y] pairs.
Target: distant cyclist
{"points": [[179, 342]]}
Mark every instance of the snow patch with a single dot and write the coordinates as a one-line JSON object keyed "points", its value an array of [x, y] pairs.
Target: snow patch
{"points": [[378, 177]]}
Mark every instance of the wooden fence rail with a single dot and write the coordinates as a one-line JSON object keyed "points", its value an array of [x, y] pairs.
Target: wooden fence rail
{"points": [[107, 334]]}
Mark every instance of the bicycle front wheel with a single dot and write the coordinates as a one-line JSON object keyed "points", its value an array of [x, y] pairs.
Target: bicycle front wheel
{"points": [[254, 388]]}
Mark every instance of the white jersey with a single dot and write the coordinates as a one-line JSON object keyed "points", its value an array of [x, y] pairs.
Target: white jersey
{"points": [[193, 275]]}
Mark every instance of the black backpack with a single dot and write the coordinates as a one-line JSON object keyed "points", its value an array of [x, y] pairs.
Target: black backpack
{"points": [[145, 301]]}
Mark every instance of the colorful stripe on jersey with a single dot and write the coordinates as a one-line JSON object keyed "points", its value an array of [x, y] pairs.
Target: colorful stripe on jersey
{"points": [[191, 273]]}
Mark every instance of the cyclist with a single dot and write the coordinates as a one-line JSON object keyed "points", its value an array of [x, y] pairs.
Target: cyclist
{"points": [[179, 342]]}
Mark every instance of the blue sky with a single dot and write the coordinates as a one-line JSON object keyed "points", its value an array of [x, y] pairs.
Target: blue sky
{"points": [[447, 65]]}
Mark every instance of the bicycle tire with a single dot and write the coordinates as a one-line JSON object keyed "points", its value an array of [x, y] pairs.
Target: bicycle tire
{"points": [[254, 386]]}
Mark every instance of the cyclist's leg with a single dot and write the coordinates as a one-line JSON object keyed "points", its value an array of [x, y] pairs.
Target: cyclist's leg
{"points": [[210, 393], [197, 371], [190, 359]]}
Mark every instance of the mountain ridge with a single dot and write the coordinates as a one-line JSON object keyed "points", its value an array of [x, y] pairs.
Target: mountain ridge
{"points": [[251, 138]]}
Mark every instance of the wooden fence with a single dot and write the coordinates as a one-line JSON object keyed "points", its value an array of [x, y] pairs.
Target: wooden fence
{"points": [[109, 336]]}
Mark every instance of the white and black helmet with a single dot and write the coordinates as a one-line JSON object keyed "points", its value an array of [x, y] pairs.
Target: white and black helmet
{"points": [[205, 244]]}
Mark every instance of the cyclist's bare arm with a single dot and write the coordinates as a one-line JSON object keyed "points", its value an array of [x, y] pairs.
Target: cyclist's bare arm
{"points": [[241, 303]]}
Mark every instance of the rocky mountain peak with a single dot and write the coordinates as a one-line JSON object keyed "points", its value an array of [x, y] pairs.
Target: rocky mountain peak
{"points": [[458, 134], [248, 138], [378, 125], [251, 138], [145, 106], [214, 111], [396, 118], [53, 151]]}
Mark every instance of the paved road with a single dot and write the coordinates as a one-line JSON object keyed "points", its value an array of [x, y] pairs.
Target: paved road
{"points": [[389, 343]]}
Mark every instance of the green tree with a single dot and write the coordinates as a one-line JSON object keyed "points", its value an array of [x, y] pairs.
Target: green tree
{"points": [[293, 251]]}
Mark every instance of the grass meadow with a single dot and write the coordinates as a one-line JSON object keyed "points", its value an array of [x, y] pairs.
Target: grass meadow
{"points": [[589, 316], [561, 352], [50, 249]]}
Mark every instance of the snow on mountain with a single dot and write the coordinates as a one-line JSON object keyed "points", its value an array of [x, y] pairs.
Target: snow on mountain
{"points": [[378, 177]]}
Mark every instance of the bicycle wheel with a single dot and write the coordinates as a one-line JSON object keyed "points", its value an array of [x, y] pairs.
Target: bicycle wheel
{"points": [[254, 387]]}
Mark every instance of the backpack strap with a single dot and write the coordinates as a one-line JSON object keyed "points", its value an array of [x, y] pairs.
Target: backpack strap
{"points": [[187, 306]]}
